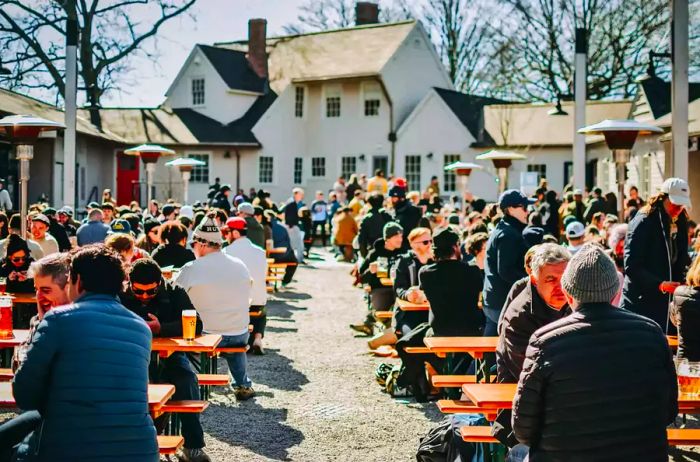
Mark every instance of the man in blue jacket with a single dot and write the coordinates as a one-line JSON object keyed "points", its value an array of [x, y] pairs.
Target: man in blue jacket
{"points": [[505, 256], [86, 372]]}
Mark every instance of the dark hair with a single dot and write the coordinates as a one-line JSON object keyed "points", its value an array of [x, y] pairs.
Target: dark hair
{"points": [[476, 242], [134, 221], [198, 217], [221, 215], [4, 231], [535, 219], [477, 228], [443, 253], [15, 221], [15, 244], [99, 268], [186, 222], [379, 172], [145, 271], [376, 200], [172, 232]]}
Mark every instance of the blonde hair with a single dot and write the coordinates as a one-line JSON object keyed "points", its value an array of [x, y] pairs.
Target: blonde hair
{"points": [[415, 232], [693, 276]]}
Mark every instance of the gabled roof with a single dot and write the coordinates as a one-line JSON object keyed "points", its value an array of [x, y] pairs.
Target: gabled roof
{"points": [[12, 103], [164, 125], [234, 68], [469, 110], [657, 93], [335, 54]]}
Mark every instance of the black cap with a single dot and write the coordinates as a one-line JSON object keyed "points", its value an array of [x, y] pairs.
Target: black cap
{"points": [[397, 191], [445, 238], [168, 209], [513, 198]]}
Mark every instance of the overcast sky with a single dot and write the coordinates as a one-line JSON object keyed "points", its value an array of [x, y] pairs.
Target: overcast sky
{"points": [[215, 21]]}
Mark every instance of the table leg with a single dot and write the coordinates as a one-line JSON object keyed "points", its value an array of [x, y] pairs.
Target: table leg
{"points": [[6, 357]]}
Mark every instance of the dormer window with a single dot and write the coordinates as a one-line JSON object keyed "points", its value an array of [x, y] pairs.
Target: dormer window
{"points": [[333, 101], [372, 99], [197, 92]]}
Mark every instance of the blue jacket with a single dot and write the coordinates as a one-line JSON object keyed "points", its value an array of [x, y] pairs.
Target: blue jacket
{"points": [[92, 232], [86, 373]]}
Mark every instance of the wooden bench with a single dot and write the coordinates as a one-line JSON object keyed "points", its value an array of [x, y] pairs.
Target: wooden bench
{"points": [[383, 314], [255, 314], [169, 444], [213, 380], [6, 375], [189, 406], [414, 350], [454, 381], [269, 289], [480, 434]]}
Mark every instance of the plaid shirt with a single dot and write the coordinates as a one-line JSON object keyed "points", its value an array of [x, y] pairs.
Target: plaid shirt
{"points": [[21, 351]]}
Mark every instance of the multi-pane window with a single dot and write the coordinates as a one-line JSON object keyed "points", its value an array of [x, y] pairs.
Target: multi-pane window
{"points": [[318, 166], [200, 174], [372, 98], [348, 166], [265, 169], [299, 102], [541, 170], [645, 175], [197, 92], [449, 181], [332, 101], [413, 172], [380, 163], [298, 169], [568, 171]]}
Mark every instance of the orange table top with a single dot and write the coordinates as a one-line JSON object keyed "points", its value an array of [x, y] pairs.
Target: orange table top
{"points": [[158, 395], [202, 344], [20, 335], [29, 297], [461, 344], [277, 250], [491, 395], [386, 282], [404, 305], [672, 341]]}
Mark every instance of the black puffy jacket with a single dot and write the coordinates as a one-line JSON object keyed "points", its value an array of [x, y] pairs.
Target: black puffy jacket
{"points": [[505, 261], [598, 385], [371, 228], [686, 307]]}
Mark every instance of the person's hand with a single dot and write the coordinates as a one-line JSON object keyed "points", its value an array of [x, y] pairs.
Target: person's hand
{"points": [[153, 323], [12, 276], [373, 267], [668, 287], [22, 276]]}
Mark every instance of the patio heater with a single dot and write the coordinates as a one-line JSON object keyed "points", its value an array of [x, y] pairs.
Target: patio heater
{"points": [[149, 153], [185, 165], [23, 131], [502, 160], [462, 170], [620, 136]]}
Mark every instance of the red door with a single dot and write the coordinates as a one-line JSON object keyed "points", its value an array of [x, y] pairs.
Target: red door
{"points": [[127, 178]]}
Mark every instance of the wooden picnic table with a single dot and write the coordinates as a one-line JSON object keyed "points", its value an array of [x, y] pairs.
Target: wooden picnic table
{"points": [[158, 395], [165, 346], [277, 250], [29, 297], [404, 305], [474, 346], [491, 395], [20, 335], [387, 282]]}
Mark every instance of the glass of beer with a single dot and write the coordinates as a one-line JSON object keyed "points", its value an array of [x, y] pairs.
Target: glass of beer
{"points": [[382, 267], [6, 317], [189, 324], [3, 285], [688, 377]]}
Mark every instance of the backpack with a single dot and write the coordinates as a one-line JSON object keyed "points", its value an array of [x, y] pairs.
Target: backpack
{"points": [[444, 442], [392, 387]]}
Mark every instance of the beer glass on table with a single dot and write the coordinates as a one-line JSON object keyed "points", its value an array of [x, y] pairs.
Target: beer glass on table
{"points": [[382, 267], [189, 324], [688, 377], [3, 285], [6, 317]]}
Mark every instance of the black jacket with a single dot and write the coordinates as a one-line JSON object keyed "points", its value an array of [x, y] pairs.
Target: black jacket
{"points": [[167, 306], [17, 286], [647, 263], [59, 233], [255, 232], [408, 216], [173, 255], [220, 201], [371, 229], [407, 269], [291, 214], [453, 288], [686, 306], [505, 261], [366, 276], [598, 385], [595, 205]]}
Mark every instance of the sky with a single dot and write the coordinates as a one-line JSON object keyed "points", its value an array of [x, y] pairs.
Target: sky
{"points": [[214, 21]]}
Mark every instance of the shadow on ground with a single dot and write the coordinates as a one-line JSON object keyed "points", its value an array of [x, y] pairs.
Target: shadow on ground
{"points": [[276, 371]]}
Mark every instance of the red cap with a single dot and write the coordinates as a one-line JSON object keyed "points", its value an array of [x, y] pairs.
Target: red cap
{"points": [[236, 223], [400, 182]]}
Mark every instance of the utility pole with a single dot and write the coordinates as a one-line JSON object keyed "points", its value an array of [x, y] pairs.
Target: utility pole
{"points": [[70, 103], [580, 75], [679, 89]]}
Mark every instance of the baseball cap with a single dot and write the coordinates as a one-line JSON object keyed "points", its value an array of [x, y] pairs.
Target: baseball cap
{"points": [[42, 218], [445, 238], [575, 229], [247, 208], [513, 198], [578, 192], [207, 231], [93, 205], [400, 182], [120, 226], [236, 223], [49, 211], [397, 191], [66, 210], [187, 211], [677, 190]]}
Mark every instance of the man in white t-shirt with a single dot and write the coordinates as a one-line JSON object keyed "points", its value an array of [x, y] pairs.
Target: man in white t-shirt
{"points": [[255, 260], [219, 286], [40, 228]]}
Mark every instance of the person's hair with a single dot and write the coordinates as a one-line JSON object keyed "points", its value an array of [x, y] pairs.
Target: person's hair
{"points": [[548, 254], [634, 187], [100, 269], [415, 232], [55, 265], [592, 230], [549, 239], [134, 221], [221, 215], [120, 242], [693, 276], [376, 200], [172, 232], [95, 215], [443, 253], [476, 242], [198, 217], [379, 172], [185, 221], [15, 244], [597, 216], [535, 219], [297, 191], [145, 271], [15, 221], [616, 234], [412, 195], [5, 229], [654, 202], [477, 228]]}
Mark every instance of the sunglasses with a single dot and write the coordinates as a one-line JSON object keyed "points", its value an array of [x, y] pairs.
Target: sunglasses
{"points": [[426, 242], [152, 291], [17, 259]]}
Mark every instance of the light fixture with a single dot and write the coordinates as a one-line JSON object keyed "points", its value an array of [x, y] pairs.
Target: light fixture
{"points": [[462, 170], [149, 153], [186, 165], [362, 157], [502, 160], [430, 155]]}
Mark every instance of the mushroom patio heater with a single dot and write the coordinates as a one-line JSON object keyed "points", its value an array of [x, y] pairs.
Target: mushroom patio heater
{"points": [[502, 161], [22, 131], [620, 136], [185, 165], [462, 170], [149, 153]]}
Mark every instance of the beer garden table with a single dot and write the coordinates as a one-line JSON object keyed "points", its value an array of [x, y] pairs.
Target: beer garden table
{"points": [[474, 346], [404, 305], [204, 344]]}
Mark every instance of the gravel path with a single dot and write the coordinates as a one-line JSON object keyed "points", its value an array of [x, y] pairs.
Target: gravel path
{"points": [[316, 396]]}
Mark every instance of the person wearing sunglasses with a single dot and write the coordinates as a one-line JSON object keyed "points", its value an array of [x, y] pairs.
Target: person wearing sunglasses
{"points": [[15, 265], [160, 304]]}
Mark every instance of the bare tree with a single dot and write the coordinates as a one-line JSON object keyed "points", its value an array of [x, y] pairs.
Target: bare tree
{"points": [[538, 37], [33, 36]]}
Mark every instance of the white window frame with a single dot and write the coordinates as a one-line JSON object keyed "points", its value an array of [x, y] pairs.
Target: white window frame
{"points": [[301, 171], [305, 98], [342, 162], [451, 176], [370, 89], [325, 167], [407, 175], [330, 91], [272, 167], [645, 175], [204, 91], [536, 168], [189, 154]]}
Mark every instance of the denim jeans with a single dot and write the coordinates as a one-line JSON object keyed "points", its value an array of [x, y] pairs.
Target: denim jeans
{"points": [[519, 453], [237, 362], [177, 370], [14, 431], [491, 326]]}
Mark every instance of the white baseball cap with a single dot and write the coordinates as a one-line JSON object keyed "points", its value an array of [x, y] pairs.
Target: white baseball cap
{"points": [[678, 191], [575, 229]]}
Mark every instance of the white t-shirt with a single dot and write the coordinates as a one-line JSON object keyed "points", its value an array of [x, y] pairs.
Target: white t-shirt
{"points": [[220, 287], [255, 260], [49, 245]]}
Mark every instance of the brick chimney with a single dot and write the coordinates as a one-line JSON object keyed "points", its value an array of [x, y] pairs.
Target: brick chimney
{"points": [[257, 42], [366, 13]]}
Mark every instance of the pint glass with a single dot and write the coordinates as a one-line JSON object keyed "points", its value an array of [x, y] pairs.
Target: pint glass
{"points": [[3, 285], [382, 267], [6, 317], [189, 324], [688, 377]]}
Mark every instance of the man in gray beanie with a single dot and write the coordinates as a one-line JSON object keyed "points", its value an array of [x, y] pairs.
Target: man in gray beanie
{"points": [[598, 382]]}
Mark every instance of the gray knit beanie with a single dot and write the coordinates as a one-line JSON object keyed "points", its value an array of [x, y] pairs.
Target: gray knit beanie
{"points": [[590, 276]]}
